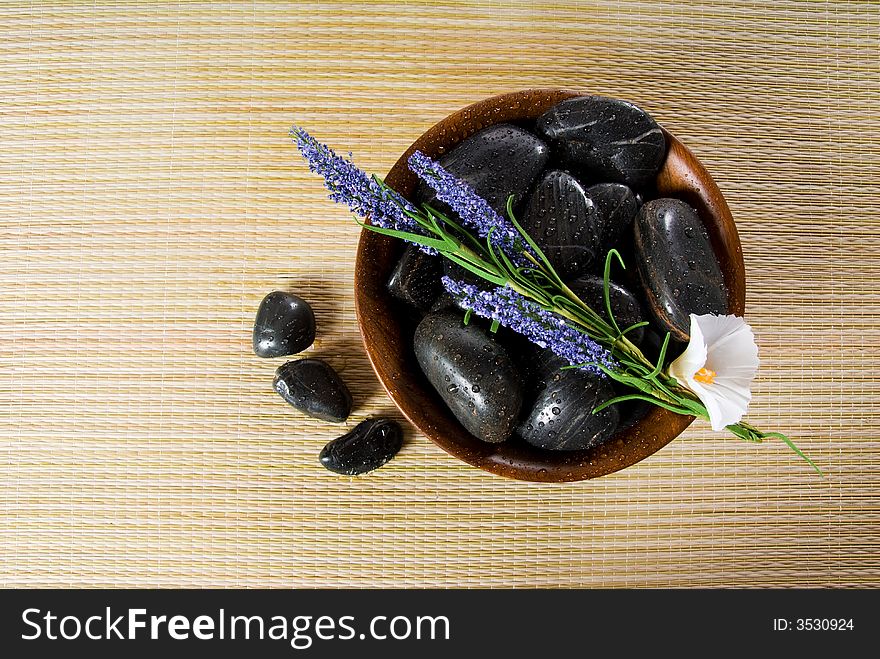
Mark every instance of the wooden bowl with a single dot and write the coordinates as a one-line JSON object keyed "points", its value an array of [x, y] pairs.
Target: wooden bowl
{"points": [[388, 337]]}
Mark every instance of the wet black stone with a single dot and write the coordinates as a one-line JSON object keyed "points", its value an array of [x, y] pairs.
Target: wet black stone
{"points": [[473, 374], [605, 139], [313, 386], [416, 278], [562, 218], [630, 412], [677, 267], [444, 302], [616, 207], [285, 325], [538, 365], [625, 307], [560, 417], [368, 446], [497, 162]]}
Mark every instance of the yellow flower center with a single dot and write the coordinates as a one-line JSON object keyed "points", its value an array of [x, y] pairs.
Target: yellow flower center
{"points": [[705, 375]]}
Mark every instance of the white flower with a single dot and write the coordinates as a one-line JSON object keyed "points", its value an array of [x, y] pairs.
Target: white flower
{"points": [[719, 365]]}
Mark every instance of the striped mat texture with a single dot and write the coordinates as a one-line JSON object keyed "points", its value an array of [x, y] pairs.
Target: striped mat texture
{"points": [[150, 197]]}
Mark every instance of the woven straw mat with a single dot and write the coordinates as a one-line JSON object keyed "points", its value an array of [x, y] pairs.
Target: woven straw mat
{"points": [[150, 197]]}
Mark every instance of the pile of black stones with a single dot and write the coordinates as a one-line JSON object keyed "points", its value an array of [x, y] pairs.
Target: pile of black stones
{"points": [[583, 177]]}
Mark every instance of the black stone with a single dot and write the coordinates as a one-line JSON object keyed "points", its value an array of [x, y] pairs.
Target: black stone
{"points": [[538, 366], [616, 207], [561, 418], [630, 412], [625, 307], [371, 444], [285, 325], [677, 267], [313, 387], [473, 374], [606, 139], [416, 278], [562, 218], [497, 162], [444, 302]]}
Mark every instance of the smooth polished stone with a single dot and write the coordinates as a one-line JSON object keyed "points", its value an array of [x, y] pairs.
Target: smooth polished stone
{"points": [[472, 372], [444, 302], [285, 325], [561, 418], [631, 411], [616, 207], [416, 278], [496, 162], [314, 387], [368, 446], [606, 139], [562, 218], [677, 267]]}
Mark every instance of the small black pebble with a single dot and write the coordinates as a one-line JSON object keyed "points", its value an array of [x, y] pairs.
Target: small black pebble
{"points": [[285, 325], [313, 387], [371, 444]]}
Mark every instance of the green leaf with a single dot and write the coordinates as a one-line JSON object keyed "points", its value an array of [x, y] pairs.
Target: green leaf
{"points": [[606, 287], [696, 407], [635, 326], [480, 272], [461, 231], [649, 399], [435, 227], [439, 245], [793, 447], [659, 367], [615, 400], [490, 250], [745, 434], [494, 326], [467, 316], [511, 268]]}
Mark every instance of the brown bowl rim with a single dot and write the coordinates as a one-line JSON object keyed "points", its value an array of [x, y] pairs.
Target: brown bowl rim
{"points": [[681, 175]]}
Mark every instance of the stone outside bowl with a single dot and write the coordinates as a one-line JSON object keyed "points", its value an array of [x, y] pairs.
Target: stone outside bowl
{"points": [[387, 334]]}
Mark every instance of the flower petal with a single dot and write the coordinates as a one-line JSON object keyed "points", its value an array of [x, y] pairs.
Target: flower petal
{"points": [[723, 408], [718, 414], [693, 358]]}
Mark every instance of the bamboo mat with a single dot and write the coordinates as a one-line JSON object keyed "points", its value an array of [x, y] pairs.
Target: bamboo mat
{"points": [[149, 198]]}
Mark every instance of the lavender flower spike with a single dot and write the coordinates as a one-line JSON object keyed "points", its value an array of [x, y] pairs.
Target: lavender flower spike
{"points": [[541, 327], [474, 211], [353, 187]]}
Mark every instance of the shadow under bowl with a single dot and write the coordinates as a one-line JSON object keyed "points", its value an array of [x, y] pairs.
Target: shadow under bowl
{"points": [[387, 334]]}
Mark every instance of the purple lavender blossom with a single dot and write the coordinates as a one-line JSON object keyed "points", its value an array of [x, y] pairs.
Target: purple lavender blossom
{"points": [[353, 187], [541, 327], [474, 211]]}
